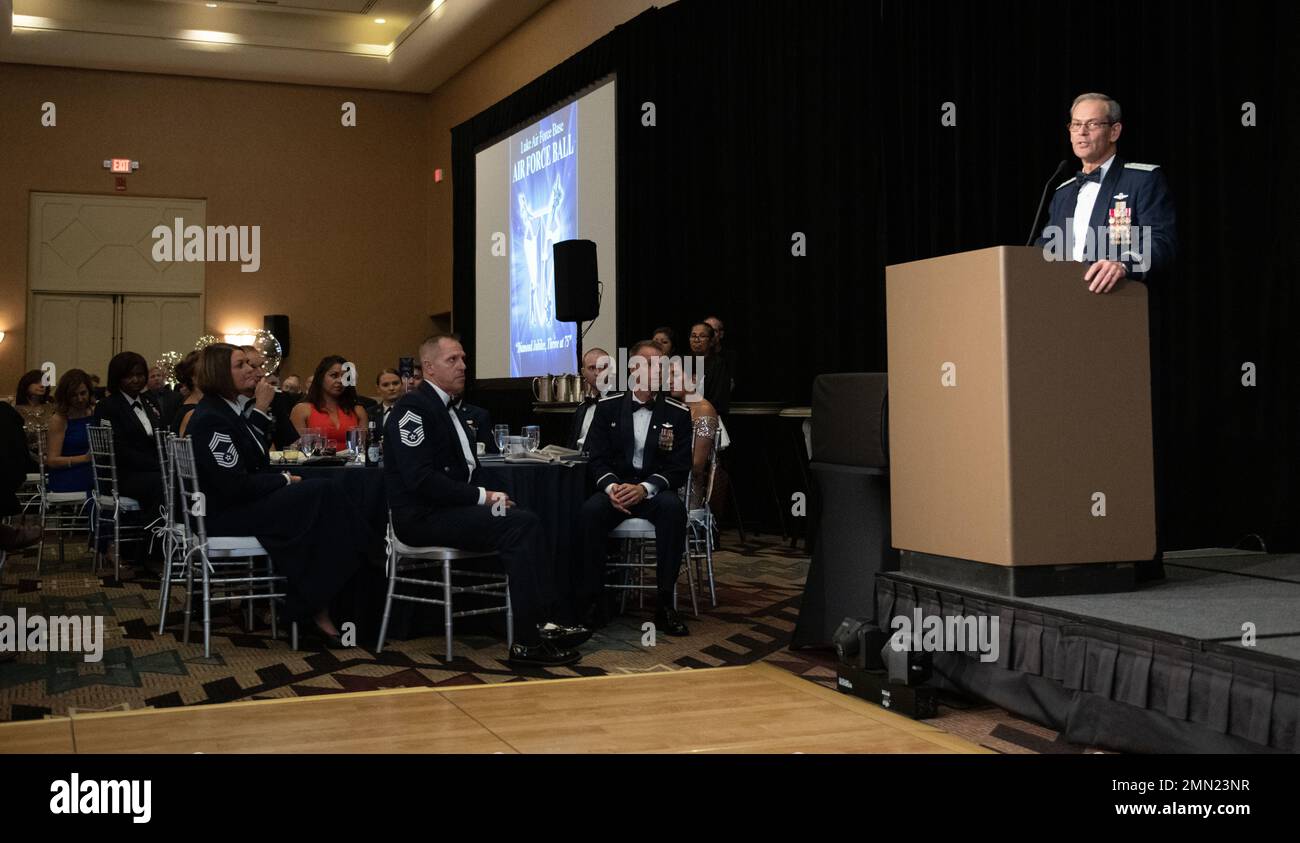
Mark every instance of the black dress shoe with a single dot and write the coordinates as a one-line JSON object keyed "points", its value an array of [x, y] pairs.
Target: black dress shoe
{"points": [[669, 622], [563, 637], [541, 655]]}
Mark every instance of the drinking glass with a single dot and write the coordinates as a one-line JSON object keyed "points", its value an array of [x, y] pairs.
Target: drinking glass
{"points": [[500, 432], [533, 434]]}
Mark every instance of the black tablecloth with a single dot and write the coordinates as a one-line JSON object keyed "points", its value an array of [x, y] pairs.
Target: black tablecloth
{"points": [[555, 492]]}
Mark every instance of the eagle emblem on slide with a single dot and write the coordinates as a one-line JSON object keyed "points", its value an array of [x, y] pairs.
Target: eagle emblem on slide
{"points": [[223, 450], [411, 428]]}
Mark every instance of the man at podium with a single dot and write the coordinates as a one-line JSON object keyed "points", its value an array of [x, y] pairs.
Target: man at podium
{"points": [[1116, 214]]}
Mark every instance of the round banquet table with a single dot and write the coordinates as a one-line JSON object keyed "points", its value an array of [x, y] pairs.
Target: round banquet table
{"points": [[552, 490]]}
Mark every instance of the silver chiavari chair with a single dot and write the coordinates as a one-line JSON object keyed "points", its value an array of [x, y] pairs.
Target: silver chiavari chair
{"points": [[404, 558], [700, 524], [168, 532], [228, 568], [109, 503], [60, 512]]}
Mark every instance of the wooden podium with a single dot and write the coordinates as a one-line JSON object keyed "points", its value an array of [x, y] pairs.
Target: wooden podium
{"points": [[1019, 422]]}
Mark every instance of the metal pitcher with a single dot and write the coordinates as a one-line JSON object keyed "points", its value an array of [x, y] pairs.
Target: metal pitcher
{"points": [[542, 389]]}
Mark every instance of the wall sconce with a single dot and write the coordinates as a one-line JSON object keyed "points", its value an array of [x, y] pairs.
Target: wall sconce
{"points": [[2, 336], [243, 336]]}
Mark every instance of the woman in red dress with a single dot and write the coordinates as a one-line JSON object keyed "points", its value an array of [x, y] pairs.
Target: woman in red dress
{"points": [[331, 406]]}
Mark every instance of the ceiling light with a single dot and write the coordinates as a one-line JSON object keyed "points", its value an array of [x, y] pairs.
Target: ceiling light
{"points": [[211, 5], [380, 20]]}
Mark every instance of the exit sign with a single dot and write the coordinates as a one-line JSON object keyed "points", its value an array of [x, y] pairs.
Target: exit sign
{"points": [[120, 165]]}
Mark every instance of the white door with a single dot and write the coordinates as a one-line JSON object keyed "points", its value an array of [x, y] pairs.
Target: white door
{"points": [[73, 331], [154, 324], [95, 288]]}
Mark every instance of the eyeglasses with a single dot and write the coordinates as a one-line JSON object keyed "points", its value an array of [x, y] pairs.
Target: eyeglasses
{"points": [[1090, 125]]}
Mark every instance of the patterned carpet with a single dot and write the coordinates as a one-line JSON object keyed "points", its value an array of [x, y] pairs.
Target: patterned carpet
{"points": [[759, 586]]}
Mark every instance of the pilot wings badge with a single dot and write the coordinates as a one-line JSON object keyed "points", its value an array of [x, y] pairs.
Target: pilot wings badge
{"points": [[223, 450], [411, 428]]}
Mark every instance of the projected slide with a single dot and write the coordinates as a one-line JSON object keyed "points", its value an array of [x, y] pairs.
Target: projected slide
{"points": [[548, 180], [543, 210]]}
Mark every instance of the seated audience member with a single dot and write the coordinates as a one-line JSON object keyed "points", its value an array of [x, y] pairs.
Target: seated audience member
{"points": [[640, 446], [32, 400], [389, 385], [269, 408], [67, 442], [330, 407], [411, 382], [131, 410], [313, 536], [706, 422], [728, 355], [168, 399], [595, 362], [716, 384], [429, 467], [193, 395], [14, 468], [292, 385], [663, 337], [477, 421]]}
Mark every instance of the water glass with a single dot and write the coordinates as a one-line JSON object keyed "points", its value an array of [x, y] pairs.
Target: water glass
{"points": [[501, 432], [533, 434]]}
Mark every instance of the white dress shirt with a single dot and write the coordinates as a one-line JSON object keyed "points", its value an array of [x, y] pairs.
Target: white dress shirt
{"points": [[590, 413], [470, 461], [1083, 214], [640, 430], [140, 414]]}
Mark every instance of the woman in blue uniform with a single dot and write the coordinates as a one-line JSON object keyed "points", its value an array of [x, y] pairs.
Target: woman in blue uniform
{"points": [[313, 537]]}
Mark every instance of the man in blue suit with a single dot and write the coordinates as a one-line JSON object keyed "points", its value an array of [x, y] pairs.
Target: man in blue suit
{"points": [[1116, 214]]}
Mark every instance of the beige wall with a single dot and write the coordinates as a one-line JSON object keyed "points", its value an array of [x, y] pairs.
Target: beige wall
{"points": [[560, 29], [343, 211], [356, 235]]}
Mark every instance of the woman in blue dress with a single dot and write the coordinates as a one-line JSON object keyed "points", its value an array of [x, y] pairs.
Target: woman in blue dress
{"points": [[68, 453]]}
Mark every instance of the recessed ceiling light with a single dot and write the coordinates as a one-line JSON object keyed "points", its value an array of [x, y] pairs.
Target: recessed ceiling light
{"points": [[380, 20], [211, 5]]}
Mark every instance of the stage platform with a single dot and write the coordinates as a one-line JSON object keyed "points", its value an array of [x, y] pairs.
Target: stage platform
{"points": [[1162, 668], [757, 708]]}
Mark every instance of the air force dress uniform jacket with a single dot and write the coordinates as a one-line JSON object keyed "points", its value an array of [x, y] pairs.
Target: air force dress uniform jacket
{"points": [[431, 469], [312, 533], [666, 459], [1133, 197]]}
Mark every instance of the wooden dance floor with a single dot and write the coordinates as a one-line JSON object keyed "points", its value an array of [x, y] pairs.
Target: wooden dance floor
{"points": [[757, 708]]}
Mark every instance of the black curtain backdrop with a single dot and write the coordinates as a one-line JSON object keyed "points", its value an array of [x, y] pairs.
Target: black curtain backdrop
{"points": [[824, 118]]}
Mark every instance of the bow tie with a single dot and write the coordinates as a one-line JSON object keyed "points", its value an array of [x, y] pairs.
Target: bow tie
{"points": [[1083, 178], [637, 405]]}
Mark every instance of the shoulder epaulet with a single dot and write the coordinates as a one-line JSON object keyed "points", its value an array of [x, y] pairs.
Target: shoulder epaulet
{"points": [[1064, 183], [611, 396], [675, 403], [1130, 165]]}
